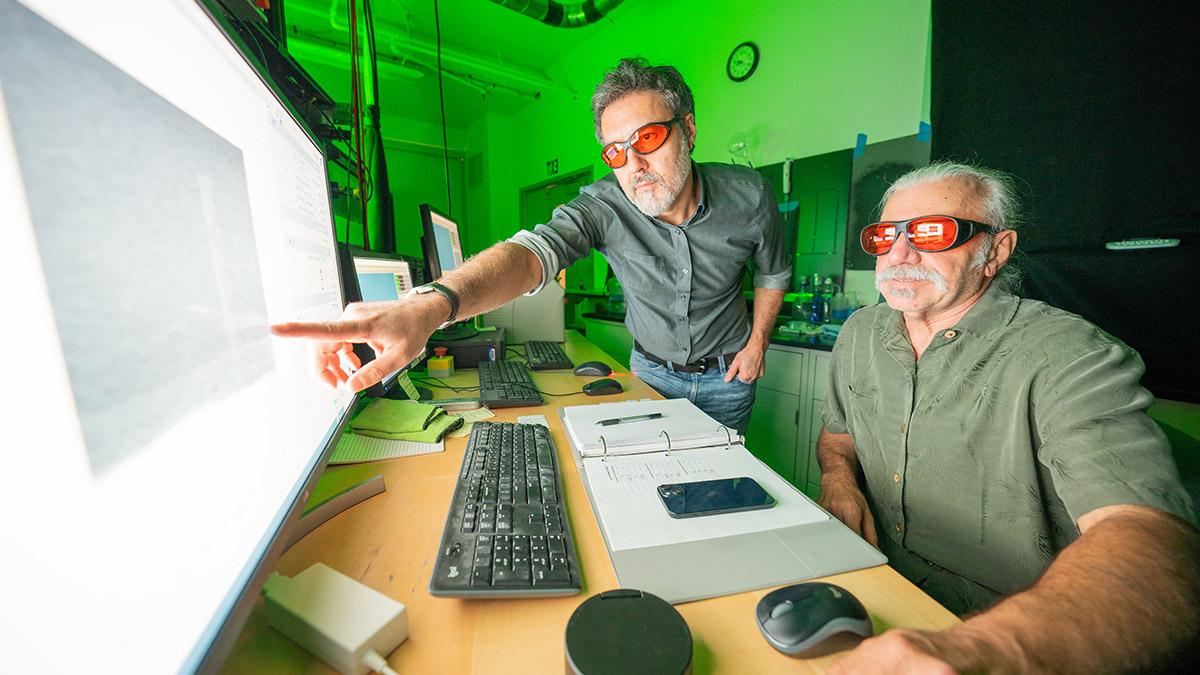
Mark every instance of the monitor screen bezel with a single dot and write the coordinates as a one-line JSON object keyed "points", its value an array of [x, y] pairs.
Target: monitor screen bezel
{"points": [[433, 265], [222, 631]]}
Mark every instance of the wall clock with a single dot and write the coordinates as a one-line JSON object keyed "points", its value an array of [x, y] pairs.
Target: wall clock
{"points": [[742, 61]]}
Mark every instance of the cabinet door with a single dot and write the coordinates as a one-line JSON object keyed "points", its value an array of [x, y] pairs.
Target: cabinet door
{"points": [[784, 370], [772, 433], [811, 401]]}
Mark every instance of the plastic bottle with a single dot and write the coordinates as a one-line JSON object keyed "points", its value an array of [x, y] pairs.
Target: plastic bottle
{"points": [[803, 300], [816, 310], [839, 309]]}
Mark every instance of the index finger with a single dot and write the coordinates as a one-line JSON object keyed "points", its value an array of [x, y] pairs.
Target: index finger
{"points": [[351, 331]]}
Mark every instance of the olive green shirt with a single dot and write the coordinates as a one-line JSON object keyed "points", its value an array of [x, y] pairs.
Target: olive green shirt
{"points": [[980, 457]]}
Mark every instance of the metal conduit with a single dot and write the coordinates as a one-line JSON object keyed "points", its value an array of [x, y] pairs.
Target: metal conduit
{"points": [[562, 14]]}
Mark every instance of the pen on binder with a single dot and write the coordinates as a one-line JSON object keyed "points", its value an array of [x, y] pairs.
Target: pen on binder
{"points": [[624, 420]]}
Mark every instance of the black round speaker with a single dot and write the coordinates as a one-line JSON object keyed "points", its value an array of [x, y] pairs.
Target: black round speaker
{"points": [[627, 631]]}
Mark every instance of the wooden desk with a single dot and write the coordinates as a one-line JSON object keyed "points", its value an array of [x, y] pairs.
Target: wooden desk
{"points": [[390, 541]]}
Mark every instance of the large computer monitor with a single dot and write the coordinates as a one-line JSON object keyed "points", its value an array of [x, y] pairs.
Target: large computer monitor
{"points": [[160, 209], [440, 243]]}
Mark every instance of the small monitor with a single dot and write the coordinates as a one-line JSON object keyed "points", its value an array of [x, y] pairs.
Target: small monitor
{"points": [[382, 279], [441, 243]]}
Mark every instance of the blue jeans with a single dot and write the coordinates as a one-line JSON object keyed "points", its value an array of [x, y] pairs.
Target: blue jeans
{"points": [[727, 402]]}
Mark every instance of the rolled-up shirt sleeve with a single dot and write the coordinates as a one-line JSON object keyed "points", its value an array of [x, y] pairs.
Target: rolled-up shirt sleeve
{"points": [[772, 265], [572, 232]]}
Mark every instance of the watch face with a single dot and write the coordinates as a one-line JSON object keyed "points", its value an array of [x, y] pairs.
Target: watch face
{"points": [[742, 61]]}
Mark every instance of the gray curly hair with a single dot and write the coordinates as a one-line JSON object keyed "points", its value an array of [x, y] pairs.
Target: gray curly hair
{"points": [[1000, 206], [634, 75]]}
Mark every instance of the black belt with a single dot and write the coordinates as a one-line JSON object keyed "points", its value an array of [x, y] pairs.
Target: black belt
{"points": [[693, 367]]}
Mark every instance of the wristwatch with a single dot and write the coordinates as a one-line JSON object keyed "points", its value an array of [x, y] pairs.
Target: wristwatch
{"points": [[434, 287]]}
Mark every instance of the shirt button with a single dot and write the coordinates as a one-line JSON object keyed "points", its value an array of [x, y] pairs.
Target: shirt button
{"points": [[897, 527], [903, 427], [685, 270], [950, 334], [896, 477]]}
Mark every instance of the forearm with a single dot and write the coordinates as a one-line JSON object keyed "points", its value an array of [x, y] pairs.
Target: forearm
{"points": [[1120, 598], [767, 302], [837, 456], [492, 278]]}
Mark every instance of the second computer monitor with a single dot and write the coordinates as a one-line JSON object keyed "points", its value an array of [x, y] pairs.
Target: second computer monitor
{"points": [[382, 279], [441, 243]]}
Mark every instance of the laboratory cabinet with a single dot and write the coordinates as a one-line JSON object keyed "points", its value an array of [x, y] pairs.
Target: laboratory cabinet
{"points": [[786, 418]]}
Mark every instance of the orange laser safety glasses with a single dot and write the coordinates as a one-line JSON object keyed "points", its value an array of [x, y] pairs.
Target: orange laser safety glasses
{"points": [[927, 234], [644, 141]]}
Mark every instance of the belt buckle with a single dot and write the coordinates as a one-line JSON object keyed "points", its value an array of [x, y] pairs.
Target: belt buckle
{"points": [[702, 366]]}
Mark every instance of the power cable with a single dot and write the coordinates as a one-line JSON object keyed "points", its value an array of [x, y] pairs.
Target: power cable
{"points": [[437, 22]]}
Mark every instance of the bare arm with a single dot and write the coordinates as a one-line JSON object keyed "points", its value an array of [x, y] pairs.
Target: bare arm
{"points": [[397, 331], [492, 278], [1125, 596], [840, 494], [748, 364]]}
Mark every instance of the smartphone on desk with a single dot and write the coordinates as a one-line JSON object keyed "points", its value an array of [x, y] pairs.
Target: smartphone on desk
{"points": [[710, 497]]}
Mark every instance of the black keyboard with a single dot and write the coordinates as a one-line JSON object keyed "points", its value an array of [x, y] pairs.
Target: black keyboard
{"points": [[506, 384], [546, 356], [507, 533]]}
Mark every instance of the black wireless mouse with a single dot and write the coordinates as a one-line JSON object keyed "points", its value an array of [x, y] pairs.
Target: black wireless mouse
{"points": [[602, 387], [593, 368], [812, 619]]}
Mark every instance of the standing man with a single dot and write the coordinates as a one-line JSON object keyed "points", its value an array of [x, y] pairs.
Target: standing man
{"points": [[1009, 467], [677, 234]]}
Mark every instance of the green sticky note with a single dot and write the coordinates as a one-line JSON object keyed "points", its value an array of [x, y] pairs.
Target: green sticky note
{"points": [[408, 387]]}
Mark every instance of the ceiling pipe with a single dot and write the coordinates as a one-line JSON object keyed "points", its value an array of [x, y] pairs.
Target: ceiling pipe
{"points": [[458, 60], [305, 46], [562, 14]]}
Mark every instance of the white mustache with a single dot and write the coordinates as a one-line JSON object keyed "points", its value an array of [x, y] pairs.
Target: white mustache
{"points": [[912, 273]]}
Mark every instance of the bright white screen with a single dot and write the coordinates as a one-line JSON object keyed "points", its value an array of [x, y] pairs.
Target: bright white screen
{"points": [[158, 209]]}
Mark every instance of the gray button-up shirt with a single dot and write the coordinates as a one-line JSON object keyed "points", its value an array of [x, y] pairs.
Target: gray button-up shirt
{"points": [[682, 283]]}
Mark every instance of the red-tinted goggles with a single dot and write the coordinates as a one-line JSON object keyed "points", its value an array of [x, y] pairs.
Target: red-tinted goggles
{"points": [[643, 141], [927, 234]]}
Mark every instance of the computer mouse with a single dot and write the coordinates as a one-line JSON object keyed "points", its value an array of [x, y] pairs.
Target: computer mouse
{"points": [[602, 387], [812, 619], [593, 368]]}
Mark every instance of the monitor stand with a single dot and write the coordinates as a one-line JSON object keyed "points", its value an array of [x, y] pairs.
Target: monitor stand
{"points": [[319, 513], [397, 393]]}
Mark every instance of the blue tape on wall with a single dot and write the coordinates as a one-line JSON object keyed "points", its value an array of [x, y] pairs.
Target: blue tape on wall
{"points": [[860, 145], [784, 207], [924, 132]]}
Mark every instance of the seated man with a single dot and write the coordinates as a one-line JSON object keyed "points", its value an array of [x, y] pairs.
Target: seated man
{"points": [[1006, 453]]}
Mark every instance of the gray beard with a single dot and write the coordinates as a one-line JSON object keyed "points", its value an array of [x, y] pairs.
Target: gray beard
{"points": [[654, 204]]}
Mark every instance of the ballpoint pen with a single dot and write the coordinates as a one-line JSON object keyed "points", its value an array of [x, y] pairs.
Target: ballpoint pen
{"points": [[623, 420]]}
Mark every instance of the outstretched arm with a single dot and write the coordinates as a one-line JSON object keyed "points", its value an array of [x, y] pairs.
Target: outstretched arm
{"points": [[397, 331], [1125, 596]]}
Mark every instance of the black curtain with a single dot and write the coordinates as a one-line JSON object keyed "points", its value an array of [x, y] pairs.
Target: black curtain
{"points": [[1093, 107]]}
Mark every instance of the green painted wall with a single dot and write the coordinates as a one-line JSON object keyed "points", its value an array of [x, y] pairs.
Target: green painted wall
{"points": [[829, 70]]}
